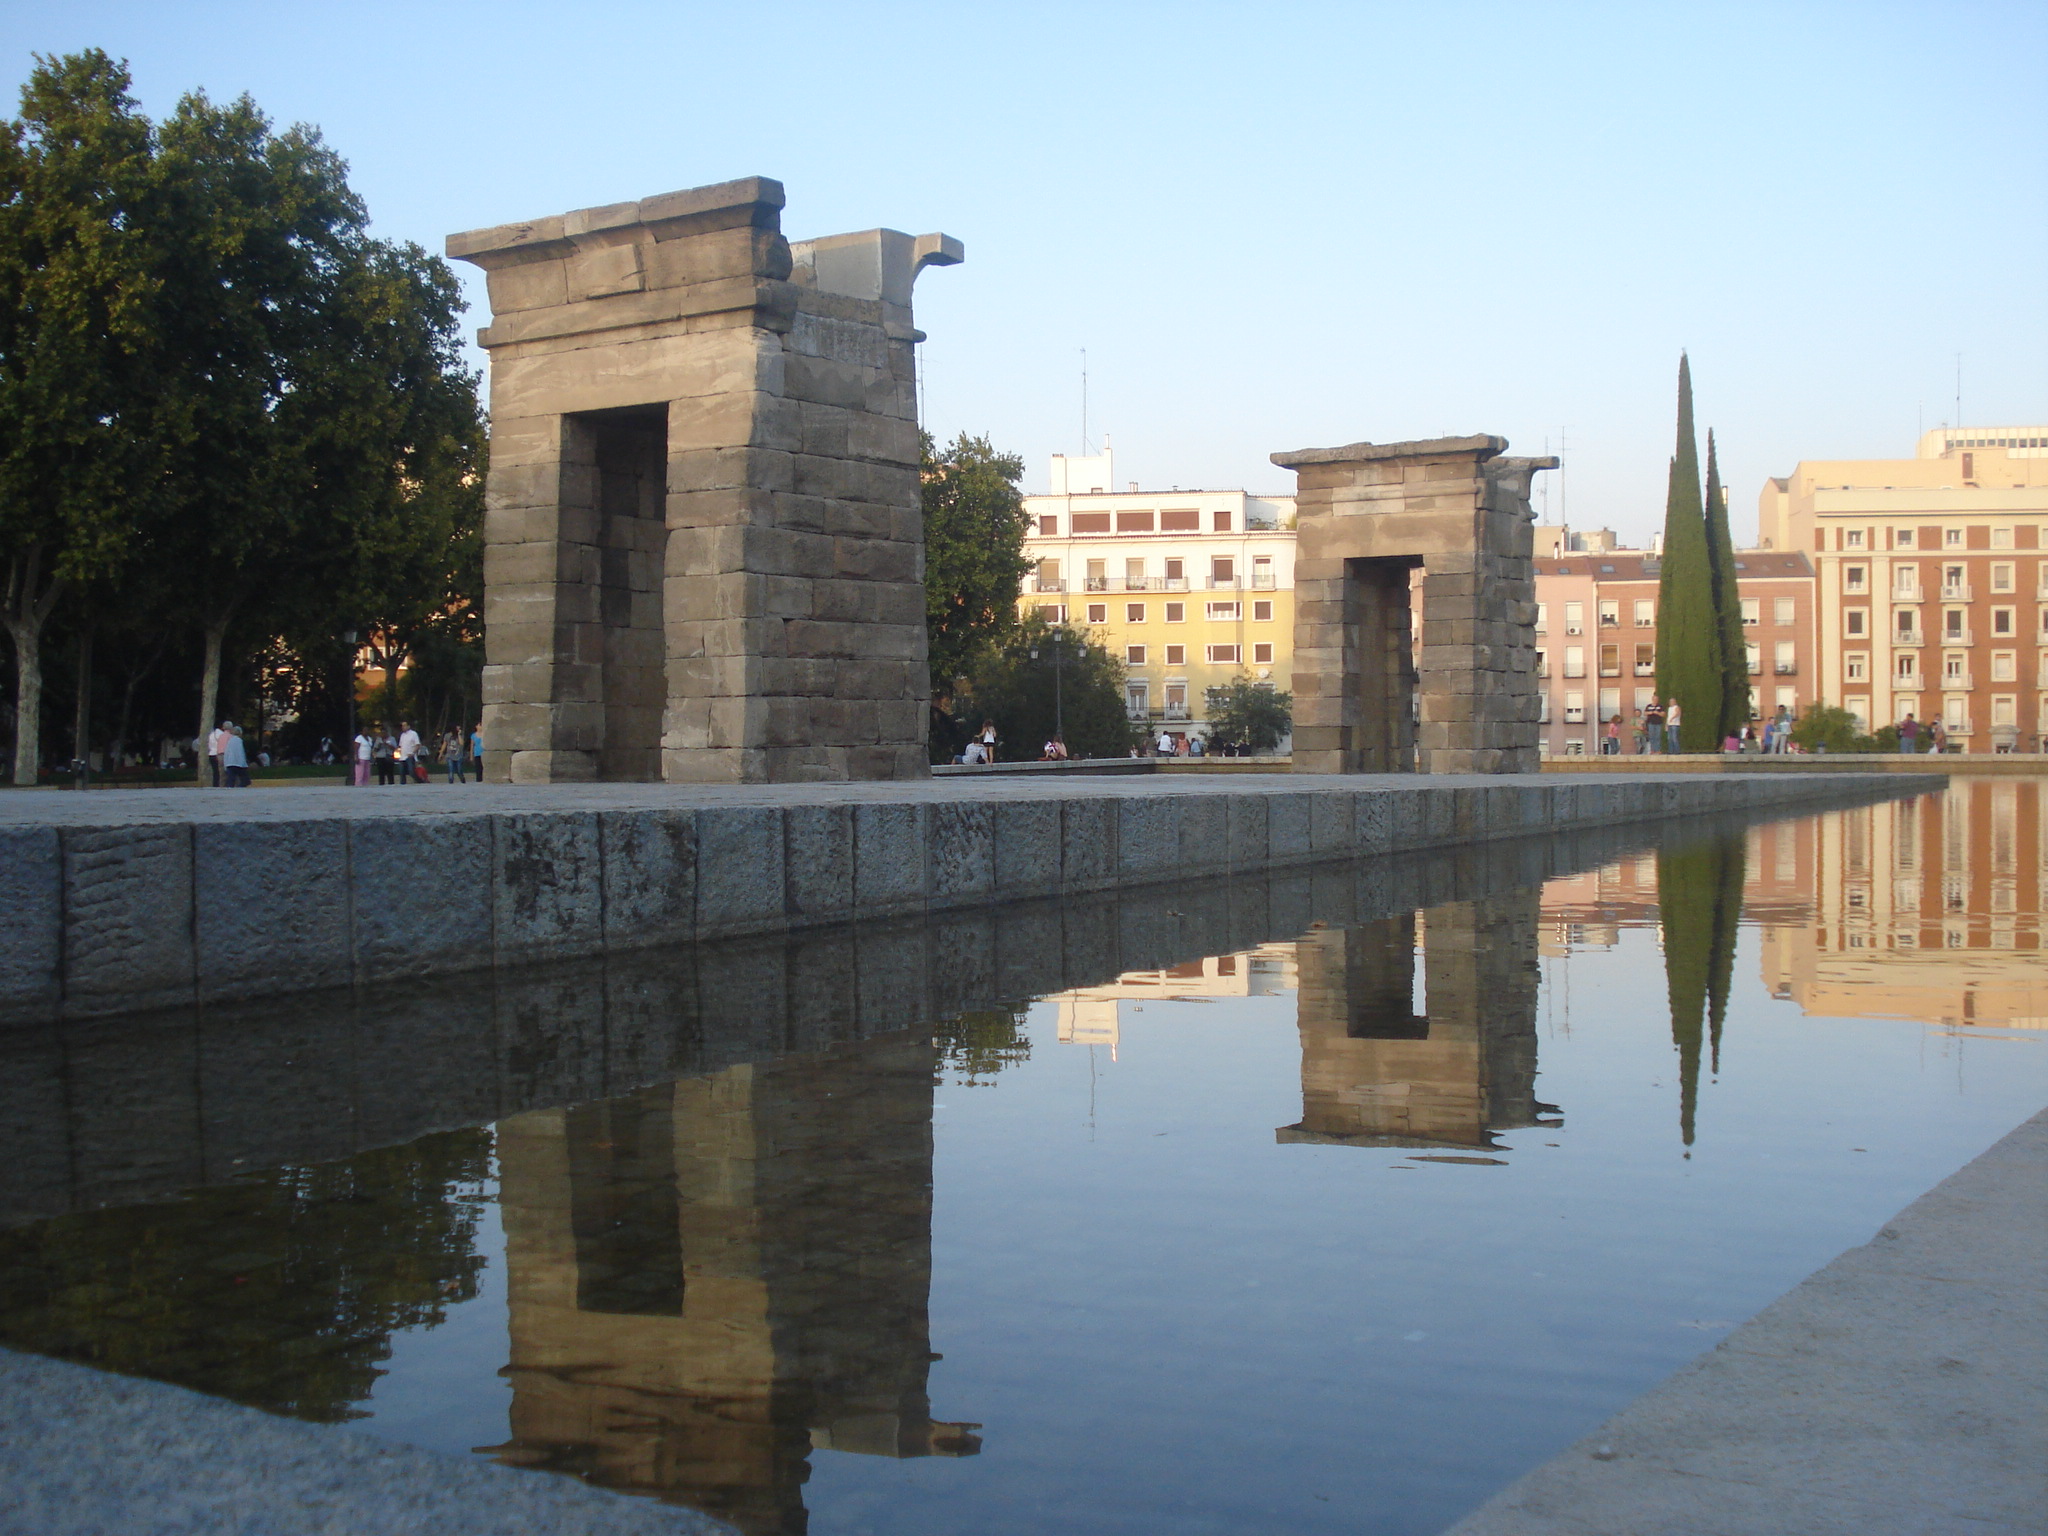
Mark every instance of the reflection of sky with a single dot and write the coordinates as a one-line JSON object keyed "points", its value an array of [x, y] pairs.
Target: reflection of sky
{"points": [[1165, 1320]]}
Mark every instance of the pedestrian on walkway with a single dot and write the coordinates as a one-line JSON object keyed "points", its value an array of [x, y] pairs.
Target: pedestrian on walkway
{"points": [[988, 741], [1635, 732], [476, 749], [408, 752], [1653, 726], [1610, 743], [235, 757], [451, 757], [1937, 738], [360, 757], [216, 751], [381, 751], [1671, 722], [1909, 733]]}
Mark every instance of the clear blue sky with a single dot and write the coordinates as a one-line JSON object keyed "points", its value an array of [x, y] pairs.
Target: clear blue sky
{"points": [[1272, 226]]}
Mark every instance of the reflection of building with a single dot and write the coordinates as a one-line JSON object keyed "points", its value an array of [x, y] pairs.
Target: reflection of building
{"points": [[1927, 909], [1189, 589], [1375, 1071], [1932, 582], [1090, 1015], [711, 1278]]}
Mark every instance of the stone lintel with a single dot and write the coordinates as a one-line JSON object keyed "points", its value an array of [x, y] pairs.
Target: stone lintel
{"points": [[1484, 444], [758, 196]]}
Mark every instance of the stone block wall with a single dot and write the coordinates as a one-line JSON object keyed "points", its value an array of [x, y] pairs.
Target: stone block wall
{"points": [[704, 551], [1366, 699]]}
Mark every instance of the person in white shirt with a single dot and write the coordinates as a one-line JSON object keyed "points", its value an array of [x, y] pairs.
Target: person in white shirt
{"points": [[216, 750], [1165, 745], [408, 751], [362, 771]]}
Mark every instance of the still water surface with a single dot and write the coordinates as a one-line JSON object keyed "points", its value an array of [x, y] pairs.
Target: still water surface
{"points": [[1340, 1234]]}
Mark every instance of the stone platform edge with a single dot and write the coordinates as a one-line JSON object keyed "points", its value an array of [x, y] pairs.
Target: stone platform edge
{"points": [[111, 918]]}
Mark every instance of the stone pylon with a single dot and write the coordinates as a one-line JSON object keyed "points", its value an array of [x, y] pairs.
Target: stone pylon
{"points": [[1366, 698], [704, 554]]}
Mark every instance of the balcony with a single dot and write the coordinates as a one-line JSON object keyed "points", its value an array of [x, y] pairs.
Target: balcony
{"points": [[1646, 669], [1958, 637], [1224, 584], [1575, 669], [1786, 668], [1957, 682], [1095, 584], [1955, 592], [1048, 584], [1264, 581], [1610, 621], [1906, 637]]}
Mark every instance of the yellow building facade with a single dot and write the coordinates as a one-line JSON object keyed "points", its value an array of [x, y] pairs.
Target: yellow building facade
{"points": [[1932, 581], [1190, 590]]}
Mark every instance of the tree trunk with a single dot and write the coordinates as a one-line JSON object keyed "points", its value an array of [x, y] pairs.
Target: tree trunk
{"points": [[81, 723], [26, 613], [209, 690], [135, 677]]}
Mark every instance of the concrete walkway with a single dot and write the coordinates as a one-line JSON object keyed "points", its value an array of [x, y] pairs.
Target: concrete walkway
{"points": [[1901, 1391]]}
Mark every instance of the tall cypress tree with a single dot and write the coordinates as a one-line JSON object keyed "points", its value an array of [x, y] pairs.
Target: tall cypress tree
{"points": [[1689, 655], [1727, 601]]}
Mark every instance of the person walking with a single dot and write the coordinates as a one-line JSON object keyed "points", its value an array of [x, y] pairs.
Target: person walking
{"points": [[216, 751], [1671, 722], [408, 752], [359, 755], [1610, 744], [451, 757], [235, 757], [381, 750], [1653, 726], [476, 749], [1909, 733], [1937, 737]]}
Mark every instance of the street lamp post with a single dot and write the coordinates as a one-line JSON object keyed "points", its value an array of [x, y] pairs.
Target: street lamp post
{"points": [[348, 637], [1059, 702]]}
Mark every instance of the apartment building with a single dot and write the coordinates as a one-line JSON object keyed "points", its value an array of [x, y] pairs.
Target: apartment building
{"points": [[1596, 635], [1932, 581], [1190, 589]]}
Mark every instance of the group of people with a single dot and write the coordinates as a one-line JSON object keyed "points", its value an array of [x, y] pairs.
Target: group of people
{"points": [[1655, 728], [1934, 734], [227, 755], [403, 757]]}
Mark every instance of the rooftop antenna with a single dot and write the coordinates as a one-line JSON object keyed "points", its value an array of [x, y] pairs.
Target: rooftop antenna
{"points": [[1959, 389], [1084, 402]]}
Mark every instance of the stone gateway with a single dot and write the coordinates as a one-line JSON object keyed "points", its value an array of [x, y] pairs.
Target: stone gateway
{"points": [[1367, 517], [704, 554]]}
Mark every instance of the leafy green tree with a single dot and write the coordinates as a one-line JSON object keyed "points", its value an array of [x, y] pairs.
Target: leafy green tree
{"points": [[1248, 717], [980, 1043], [1689, 643], [974, 527], [328, 435], [1028, 688], [1727, 604], [80, 307], [1699, 902], [1828, 728]]}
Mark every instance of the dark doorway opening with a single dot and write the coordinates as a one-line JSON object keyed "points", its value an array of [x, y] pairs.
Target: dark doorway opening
{"points": [[627, 451]]}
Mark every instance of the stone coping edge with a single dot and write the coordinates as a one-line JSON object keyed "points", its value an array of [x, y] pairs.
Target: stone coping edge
{"points": [[107, 919]]}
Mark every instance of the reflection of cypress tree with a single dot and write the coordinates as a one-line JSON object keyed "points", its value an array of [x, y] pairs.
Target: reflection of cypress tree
{"points": [[981, 1042], [1699, 901], [280, 1290]]}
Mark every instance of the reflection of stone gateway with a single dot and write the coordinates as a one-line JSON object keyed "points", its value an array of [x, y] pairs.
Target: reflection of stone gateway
{"points": [[1376, 1073], [710, 1279], [704, 555], [1368, 515]]}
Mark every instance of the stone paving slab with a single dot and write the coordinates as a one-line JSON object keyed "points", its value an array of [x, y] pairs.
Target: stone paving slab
{"points": [[85, 1453], [132, 899], [1903, 1389]]}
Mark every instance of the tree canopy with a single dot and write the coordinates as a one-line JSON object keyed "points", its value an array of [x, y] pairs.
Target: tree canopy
{"points": [[1248, 717], [1045, 674], [974, 527], [1691, 656]]}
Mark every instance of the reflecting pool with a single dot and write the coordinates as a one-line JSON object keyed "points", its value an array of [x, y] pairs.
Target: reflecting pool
{"points": [[1144, 1254]]}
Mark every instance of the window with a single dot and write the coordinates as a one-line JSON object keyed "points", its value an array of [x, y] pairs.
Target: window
{"points": [[1575, 618], [1049, 526], [1646, 661], [2002, 623], [1134, 575], [1134, 655], [1855, 621], [1177, 699], [1091, 522], [2001, 577], [1904, 539], [1543, 616], [1856, 666], [1610, 613], [1262, 612], [1176, 570], [1262, 653], [1953, 538], [1262, 573], [1752, 610], [1784, 658], [1222, 653], [1542, 663], [1753, 656], [1053, 613], [1909, 670], [1134, 613], [1610, 661], [2005, 667], [1646, 613], [1222, 571], [2003, 710], [1954, 669], [1226, 612], [1781, 611], [1854, 577], [1575, 661], [1852, 538], [2001, 538], [1969, 466], [1180, 520], [1219, 522], [1906, 623], [1098, 613], [1952, 623], [1134, 522], [1176, 655], [1610, 703], [1137, 698], [1859, 711], [1575, 709], [1175, 612], [1905, 580]]}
